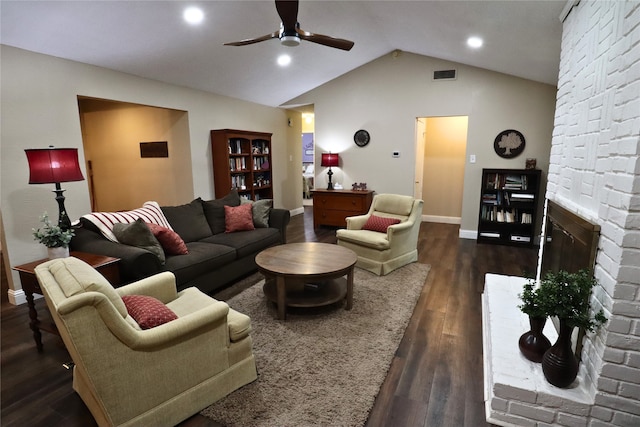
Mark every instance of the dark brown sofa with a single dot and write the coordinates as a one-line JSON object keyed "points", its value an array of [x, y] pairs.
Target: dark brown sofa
{"points": [[215, 258]]}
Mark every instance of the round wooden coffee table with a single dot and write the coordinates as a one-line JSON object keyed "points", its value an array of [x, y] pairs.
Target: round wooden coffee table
{"points": [[307, 275]]}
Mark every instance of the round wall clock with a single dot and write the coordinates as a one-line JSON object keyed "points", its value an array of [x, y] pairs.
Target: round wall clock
{"points": [[361, 138], [509, 144]]}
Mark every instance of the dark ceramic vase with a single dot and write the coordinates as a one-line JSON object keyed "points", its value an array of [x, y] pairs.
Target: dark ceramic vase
{"points": [[533, 344], [559, 364]]}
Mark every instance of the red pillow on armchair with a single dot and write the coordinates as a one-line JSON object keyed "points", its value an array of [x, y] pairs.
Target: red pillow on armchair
{"points": [[379, 224], [148, 311]]}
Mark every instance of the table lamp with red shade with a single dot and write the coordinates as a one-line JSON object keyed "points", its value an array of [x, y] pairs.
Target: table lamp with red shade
{"points": [[53, 166], [329, 160]]}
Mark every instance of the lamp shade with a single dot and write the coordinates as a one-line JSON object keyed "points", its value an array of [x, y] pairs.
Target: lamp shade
{"points": [[53, 165], [330, 159]]}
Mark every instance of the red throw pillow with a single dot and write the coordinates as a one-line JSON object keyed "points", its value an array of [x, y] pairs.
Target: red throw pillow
{"points": [[379, 224], [170, 241], [147, 311], [238, 218]]}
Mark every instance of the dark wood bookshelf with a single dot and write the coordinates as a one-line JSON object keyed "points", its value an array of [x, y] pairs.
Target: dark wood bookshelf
{"points": [[508, 206], [242, 162]]}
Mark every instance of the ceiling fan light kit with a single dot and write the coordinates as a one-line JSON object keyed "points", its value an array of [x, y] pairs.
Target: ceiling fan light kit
{"points": [[290, 32], [290, 40]]}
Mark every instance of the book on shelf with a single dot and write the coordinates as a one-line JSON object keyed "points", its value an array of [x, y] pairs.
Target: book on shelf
{"points": [[501, 181], [491, 182], [489, 234], [490, 198], [515, 182], [260, 147], [493, 214], [260, 163], [235, 146], [522, 196], [238, 182], [238, 164], [508, 216]]}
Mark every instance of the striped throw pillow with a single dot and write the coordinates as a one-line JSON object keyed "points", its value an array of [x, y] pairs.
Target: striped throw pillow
{"points": [[149, 212]]}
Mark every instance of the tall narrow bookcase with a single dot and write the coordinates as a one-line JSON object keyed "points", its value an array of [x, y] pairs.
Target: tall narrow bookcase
{"points": [[242, 161], [508, 206]]}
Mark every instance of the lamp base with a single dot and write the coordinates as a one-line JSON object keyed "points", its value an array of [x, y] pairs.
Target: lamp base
{"points": [[330, 186], [63, 219]]}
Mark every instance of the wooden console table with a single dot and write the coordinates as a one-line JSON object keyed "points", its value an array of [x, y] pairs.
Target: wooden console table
{"points": [[331, 207], [107, 266]]}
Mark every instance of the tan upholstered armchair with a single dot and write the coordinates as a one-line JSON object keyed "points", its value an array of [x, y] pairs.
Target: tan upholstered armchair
{"points": [[383, 252], [128, 376]]}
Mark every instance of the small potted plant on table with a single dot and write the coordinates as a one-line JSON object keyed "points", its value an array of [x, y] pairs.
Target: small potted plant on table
{"points": [[533, 344], [567, 296], [53, 237]]}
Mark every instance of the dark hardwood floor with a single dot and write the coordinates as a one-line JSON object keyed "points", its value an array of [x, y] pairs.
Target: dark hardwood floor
{"points": [[435, 379]]}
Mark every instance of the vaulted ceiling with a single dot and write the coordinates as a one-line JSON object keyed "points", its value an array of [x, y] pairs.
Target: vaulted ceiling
{"points": [[151, 39]]}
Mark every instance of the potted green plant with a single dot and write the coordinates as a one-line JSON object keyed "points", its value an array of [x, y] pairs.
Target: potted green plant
{"points": [[53, 237], [567, 296], [533, 343]]}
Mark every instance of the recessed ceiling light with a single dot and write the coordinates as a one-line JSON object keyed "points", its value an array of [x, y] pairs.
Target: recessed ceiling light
{"points": [[474, 42], [193, 15], [284, 60]]}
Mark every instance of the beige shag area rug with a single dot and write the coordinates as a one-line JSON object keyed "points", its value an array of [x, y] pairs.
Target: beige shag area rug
{"points": [[322, 367]]}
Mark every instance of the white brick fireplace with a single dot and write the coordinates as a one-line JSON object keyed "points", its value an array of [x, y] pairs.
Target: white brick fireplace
{"points": [[594, 172]]}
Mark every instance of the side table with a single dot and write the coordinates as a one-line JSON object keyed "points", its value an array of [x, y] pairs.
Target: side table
{"points": [[332, 207], [107, 266]]}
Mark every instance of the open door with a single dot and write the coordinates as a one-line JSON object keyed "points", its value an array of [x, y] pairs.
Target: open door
{"points": [[441, 144], [421, 124]]}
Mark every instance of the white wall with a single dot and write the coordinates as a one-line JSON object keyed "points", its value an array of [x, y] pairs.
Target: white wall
{"points": [[595, 172], [386, 96], [39, 107]]}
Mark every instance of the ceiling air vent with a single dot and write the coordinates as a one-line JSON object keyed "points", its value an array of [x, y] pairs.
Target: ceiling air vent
{"points": [[444, 75]]}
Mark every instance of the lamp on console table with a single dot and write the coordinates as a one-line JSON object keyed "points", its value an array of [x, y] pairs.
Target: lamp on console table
{"points": [[329, 160], [53, 166]]}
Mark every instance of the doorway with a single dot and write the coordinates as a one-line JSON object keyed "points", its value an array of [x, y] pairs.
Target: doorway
{"points": [[441, 144], [122, 174], [308, 155]]}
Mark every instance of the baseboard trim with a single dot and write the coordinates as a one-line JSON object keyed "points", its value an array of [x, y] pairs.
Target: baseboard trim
{"points": [[442, 219], [468, 234], [19, 297], [297, 211]]}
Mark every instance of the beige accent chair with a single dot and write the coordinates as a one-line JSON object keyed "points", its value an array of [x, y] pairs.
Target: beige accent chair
{"points": [[381, 253], [155, 377]]}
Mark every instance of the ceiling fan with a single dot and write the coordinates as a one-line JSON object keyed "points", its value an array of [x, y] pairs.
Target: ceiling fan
{"points": [[290, 32]]}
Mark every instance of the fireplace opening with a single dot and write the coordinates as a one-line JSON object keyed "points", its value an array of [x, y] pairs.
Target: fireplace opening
{"points": [[570, 244]]}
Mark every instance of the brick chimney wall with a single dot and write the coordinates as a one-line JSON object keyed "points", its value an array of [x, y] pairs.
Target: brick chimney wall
{"points": [[594, 171]]}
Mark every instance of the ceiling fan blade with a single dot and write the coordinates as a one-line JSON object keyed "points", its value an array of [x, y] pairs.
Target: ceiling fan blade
{"points": [[288, 11], [291, 33], [245, 42], [325, 40]]}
